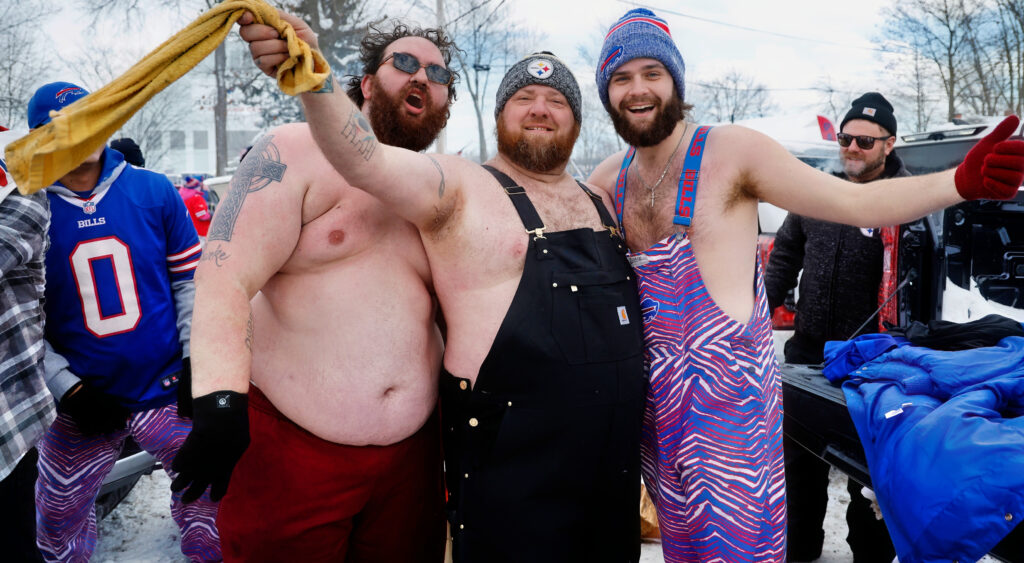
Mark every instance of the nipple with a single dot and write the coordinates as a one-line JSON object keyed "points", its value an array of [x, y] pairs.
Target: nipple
{"points": [[336, 237]]}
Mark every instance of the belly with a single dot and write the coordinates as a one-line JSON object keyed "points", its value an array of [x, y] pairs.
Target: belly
{"points": [[351, 354]]}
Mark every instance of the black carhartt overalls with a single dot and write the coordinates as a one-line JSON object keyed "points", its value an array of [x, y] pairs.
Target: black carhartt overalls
{"points": [[542, 455]]}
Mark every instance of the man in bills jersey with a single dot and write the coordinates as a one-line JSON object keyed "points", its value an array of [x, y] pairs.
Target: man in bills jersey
{"points": [[119, 295], [315, 338]]}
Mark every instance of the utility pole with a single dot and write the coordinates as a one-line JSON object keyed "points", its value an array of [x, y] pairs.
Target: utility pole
{"points": [[442, 141]]}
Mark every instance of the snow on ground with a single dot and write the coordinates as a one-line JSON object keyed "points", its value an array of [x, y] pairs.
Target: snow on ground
{"points": [[141, 529]]}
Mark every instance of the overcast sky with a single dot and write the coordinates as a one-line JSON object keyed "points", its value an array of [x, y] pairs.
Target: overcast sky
{"points": [[788, 46]]}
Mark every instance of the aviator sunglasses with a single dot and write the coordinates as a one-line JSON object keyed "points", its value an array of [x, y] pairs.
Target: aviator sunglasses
{"points": [[865, 142], [409, 64]]}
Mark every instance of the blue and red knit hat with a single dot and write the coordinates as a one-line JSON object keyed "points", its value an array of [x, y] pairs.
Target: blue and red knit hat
{"points": [[53, 96], [639, 34]]}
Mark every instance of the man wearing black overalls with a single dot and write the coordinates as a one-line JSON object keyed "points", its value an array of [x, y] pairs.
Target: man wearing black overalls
{"points": [[543, 384]]}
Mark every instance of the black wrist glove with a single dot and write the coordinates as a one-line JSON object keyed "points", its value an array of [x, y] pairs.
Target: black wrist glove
{"points": [[185, 389], [94, 411], [220, 434]]}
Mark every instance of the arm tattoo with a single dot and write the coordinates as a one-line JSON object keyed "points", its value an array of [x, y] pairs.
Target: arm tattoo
{"points": [[358, 132], [216, 255], [248, 332], [261, 166], [327, 87], [440, 187]]}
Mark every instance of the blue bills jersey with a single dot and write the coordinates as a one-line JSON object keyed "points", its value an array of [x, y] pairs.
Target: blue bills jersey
{"points": [[112, 259]]}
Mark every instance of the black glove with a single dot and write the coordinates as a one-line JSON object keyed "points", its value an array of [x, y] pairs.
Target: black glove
{"points": [[94, 411], [220, 434], [185, 389]]}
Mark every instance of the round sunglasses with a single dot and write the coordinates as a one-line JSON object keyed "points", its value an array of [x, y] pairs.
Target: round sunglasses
{"points": [[865, 142], [411, 65]]}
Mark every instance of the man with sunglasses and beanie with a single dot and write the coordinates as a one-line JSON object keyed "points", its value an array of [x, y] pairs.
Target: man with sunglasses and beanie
{"points": [[314, 324], [842, 270], [542, 382], [687, 200]]}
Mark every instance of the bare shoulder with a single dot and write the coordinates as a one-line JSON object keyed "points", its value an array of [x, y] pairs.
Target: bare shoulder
{"points": [[604, 176], [606, 195], [742, 144]]}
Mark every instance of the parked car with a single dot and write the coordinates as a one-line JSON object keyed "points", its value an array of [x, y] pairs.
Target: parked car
{"points": [[957, 264]]}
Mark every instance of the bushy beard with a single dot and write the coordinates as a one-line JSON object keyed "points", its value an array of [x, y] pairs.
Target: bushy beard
{"points": [[534, 154], [394, 126], [667, 115]]}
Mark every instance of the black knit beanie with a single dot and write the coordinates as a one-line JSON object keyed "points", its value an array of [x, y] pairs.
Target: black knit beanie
{"points": [[872, 107]]}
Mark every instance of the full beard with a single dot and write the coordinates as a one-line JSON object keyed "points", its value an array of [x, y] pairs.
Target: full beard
{"points": [[394, 126], [534, 154], [667, 115]]}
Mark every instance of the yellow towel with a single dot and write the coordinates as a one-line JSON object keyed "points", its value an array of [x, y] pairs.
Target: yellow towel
{"points": [[49, 152]]}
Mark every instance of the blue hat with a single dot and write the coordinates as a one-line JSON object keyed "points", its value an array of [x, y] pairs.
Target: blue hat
{"points": [[639, 34], [53, 96]]}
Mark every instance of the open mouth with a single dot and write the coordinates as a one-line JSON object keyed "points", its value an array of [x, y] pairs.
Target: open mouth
{"points": [[640, 109], [415, 100]]}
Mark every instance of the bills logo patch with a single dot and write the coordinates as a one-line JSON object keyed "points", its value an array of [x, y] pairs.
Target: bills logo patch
{"points": [[649, 309], [870, 111], [540, 68], [612, 57], [89, 207], [69, 94]]}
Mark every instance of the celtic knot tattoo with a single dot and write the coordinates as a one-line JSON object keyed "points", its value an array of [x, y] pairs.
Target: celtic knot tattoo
{"points": [[261, 167]]}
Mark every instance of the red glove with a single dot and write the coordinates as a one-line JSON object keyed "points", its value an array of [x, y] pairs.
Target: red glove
{"points": [[994, 168]]}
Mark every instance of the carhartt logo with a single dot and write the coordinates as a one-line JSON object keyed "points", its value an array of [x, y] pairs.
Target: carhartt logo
{"points": [[869, 111], [623, 316]]}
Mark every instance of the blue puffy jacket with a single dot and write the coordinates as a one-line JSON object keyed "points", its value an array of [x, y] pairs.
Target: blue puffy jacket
{"points": [[944, 439]]}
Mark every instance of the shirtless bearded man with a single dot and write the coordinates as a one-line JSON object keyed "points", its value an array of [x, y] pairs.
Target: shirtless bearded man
{"points": [[319, 296], [543, 380]]}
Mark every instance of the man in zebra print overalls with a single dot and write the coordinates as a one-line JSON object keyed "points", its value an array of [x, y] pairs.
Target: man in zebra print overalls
{"points": [[712, 444]]}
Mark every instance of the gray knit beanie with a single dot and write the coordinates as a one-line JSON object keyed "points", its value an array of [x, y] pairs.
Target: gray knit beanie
{"points": [[639, 34], [545, 69]]}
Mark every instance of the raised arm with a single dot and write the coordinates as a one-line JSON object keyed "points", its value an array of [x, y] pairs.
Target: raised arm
{"points": [[418, 187], [993, 169]]}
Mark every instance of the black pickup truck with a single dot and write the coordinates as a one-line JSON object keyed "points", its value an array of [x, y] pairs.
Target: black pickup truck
{"points": [[958, 264]]}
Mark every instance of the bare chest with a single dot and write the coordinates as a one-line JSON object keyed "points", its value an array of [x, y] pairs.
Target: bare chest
{"points": [[354, 224]]}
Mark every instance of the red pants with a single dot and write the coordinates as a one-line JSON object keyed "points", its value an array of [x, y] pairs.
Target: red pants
{"points": [[296, 497]]}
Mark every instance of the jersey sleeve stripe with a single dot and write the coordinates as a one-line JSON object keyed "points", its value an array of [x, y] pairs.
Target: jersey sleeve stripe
{"points": [[183, 255], [184, 267]]}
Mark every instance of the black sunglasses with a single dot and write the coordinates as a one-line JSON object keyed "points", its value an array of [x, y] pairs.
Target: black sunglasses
{"points": [[865, 142], [409, 64]]}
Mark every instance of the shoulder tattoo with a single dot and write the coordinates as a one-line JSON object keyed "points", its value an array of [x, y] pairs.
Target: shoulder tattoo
{"points": [[261, 167], [358, 132], [440, 186]]}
